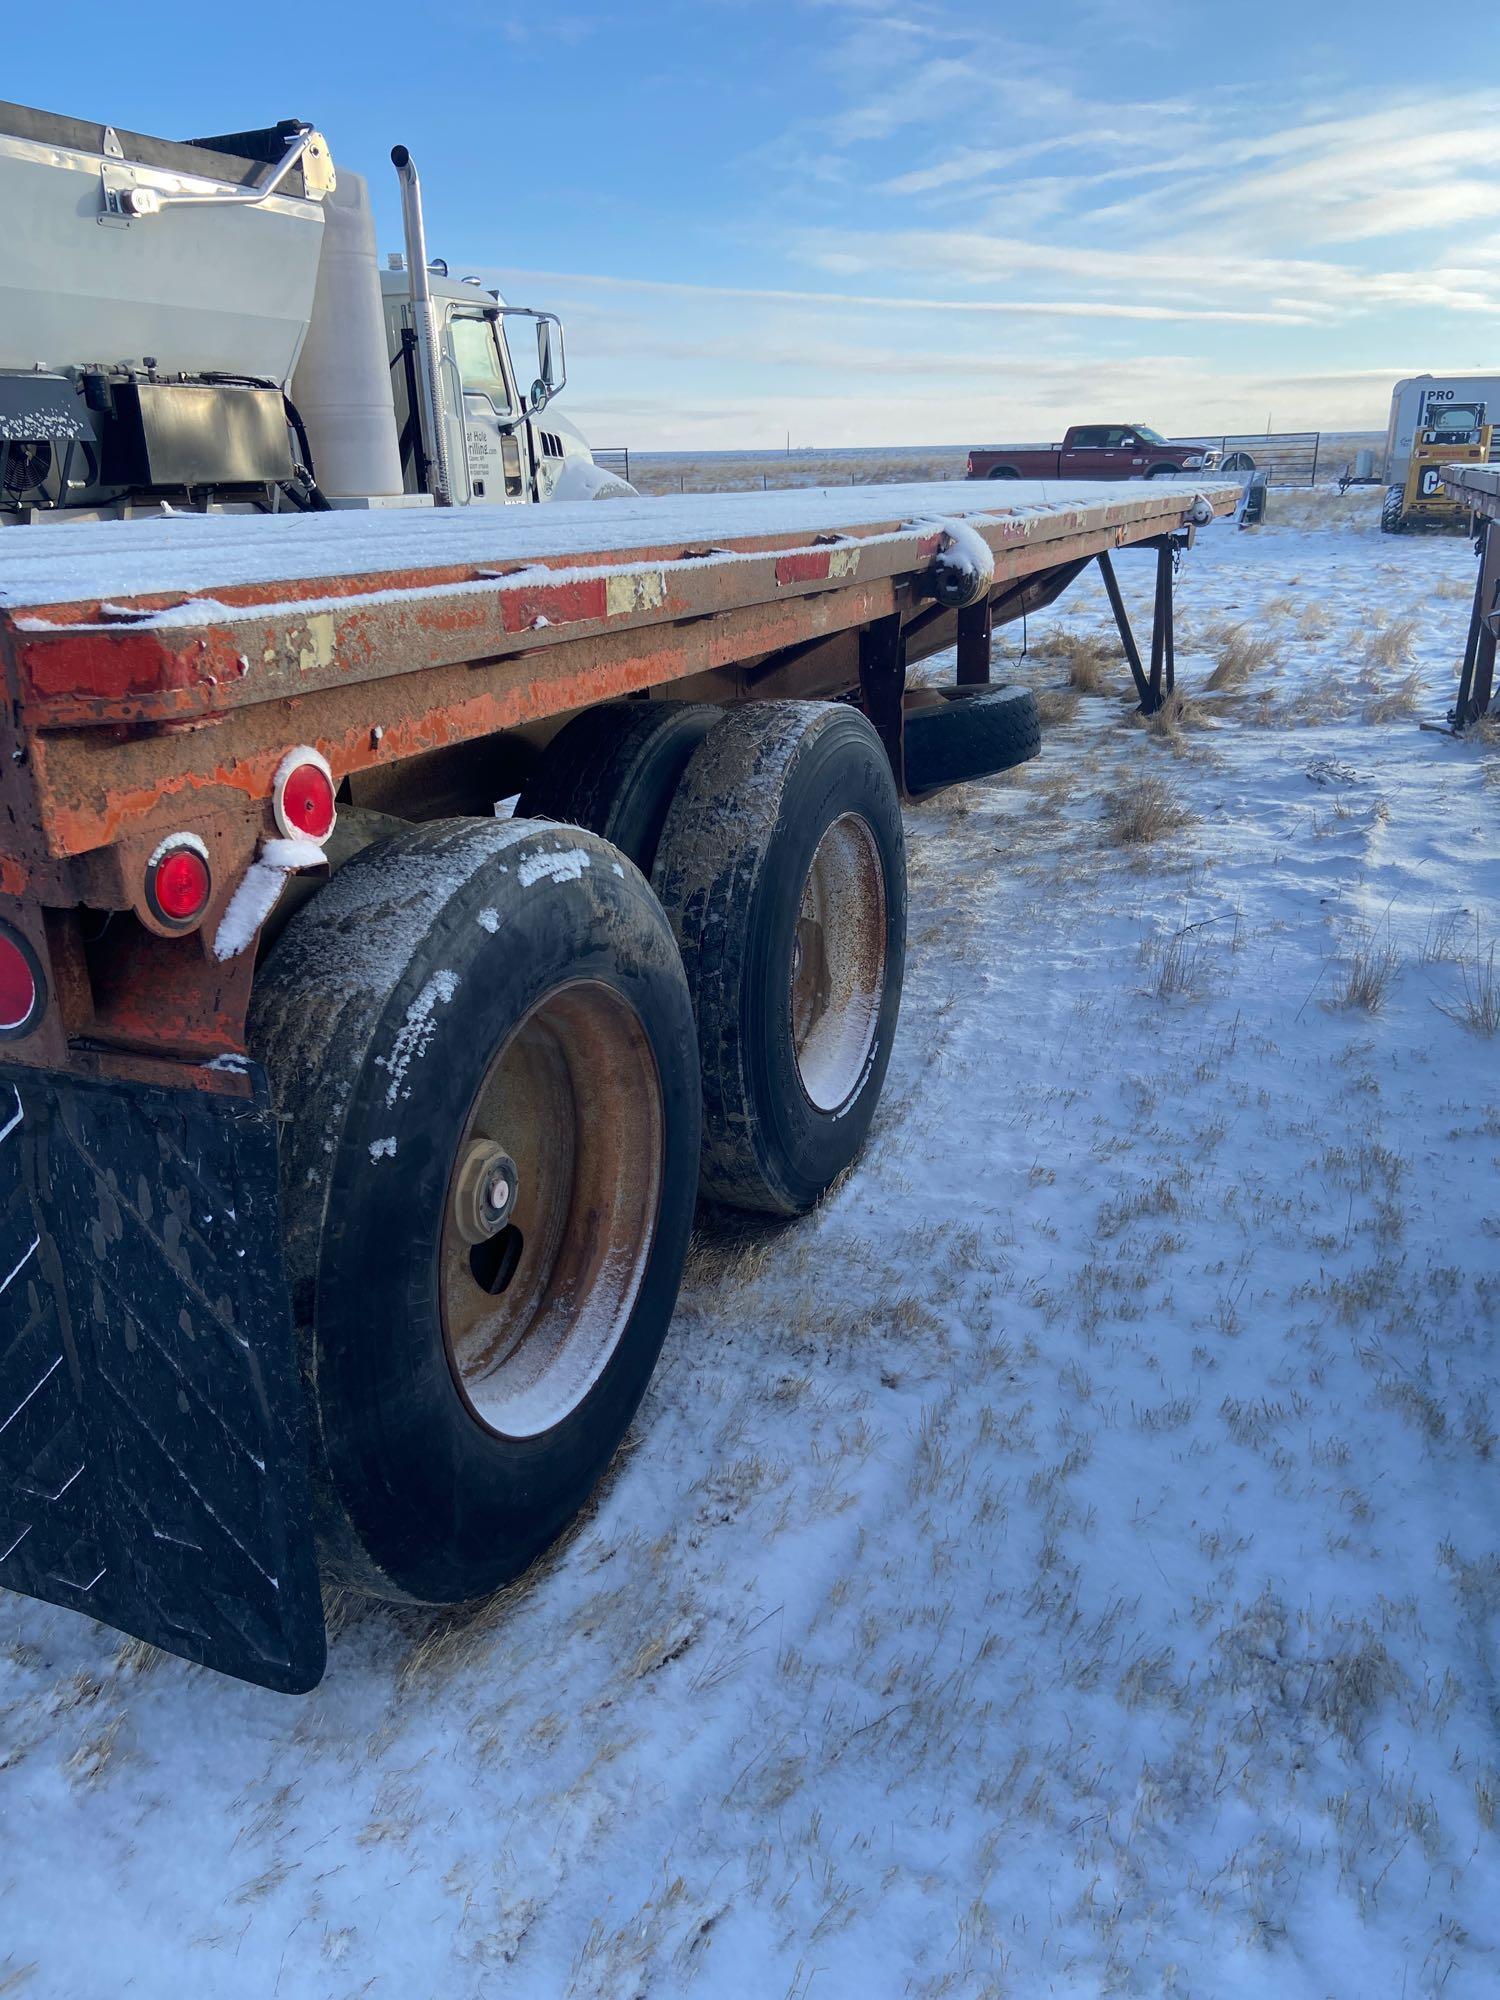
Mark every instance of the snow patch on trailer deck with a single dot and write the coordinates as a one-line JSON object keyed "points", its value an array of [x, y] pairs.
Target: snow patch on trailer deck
{"points": [[1066, 1562], [66, 562]]}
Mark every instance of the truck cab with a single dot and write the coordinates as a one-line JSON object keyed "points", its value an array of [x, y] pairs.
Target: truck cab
{"points": [[500, 450]]}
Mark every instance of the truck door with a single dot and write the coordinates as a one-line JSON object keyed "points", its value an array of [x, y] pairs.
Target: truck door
{"points": [[1103, 451], [1093, 451], [496, 442]]}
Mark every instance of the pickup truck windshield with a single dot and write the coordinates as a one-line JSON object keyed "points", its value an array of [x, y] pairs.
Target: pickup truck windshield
{"points": [[1148, 436]]}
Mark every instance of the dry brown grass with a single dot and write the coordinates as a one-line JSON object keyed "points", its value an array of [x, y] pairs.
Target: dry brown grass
{"points": [[1366, 978], [1479, 1009], [1177, 714], [1241, 654], [1143, 811], [1392, 703], [1390, 644], [750, 471], [1088, 658], [1056, 705]]}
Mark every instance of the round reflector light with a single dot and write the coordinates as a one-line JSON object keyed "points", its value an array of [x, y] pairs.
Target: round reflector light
{"points": [[20, 986], [303, 798], [182, 885], [179, 882]]}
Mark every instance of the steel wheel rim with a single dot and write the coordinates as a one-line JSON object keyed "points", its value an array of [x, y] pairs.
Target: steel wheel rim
{"points": [[532, 1315], [838, 963]]}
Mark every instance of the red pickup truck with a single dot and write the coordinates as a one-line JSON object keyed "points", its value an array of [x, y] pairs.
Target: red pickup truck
{"points": [[1089, 451]]}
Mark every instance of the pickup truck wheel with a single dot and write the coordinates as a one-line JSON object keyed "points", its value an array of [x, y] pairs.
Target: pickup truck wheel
{"points": [[782, 870], [1004, 472], [481, 1042], [955, 734], [1163, 472], [614, 769]]}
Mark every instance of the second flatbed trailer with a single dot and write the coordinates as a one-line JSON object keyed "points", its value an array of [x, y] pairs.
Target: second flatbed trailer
{"points": [[350, 1135]]}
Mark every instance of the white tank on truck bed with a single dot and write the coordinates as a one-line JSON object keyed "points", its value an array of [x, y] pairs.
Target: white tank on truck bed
{"points": [[118, 249]]}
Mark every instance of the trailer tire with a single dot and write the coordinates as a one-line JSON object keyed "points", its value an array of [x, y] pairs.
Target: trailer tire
{"points": [[462, 992], [614, 769], [968, 733], [782, 870], [1393, 511]]}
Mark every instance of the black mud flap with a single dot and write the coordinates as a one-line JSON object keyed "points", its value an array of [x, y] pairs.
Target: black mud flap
{"points": [[153, 1462]]}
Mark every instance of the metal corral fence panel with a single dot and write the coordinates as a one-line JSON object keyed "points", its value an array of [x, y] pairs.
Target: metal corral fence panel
{"points": [[1290, 457], [615, 459]]}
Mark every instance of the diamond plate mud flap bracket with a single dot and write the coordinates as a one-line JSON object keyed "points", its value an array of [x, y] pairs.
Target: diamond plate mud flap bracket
{"points": [[153, 1463]]}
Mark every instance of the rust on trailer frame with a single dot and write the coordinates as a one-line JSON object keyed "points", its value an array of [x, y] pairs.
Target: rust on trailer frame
{"points": [[125, 722], [97, 767]]}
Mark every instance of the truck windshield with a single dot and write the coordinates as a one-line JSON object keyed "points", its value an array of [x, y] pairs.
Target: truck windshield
{"points": [[478, 359], [1148, 436]]}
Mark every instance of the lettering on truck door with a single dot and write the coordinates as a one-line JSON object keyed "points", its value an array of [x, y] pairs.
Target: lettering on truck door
{"points": [[496, 447]]}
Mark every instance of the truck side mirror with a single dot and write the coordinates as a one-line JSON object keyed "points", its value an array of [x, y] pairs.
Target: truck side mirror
{"points": [[551, 366]]}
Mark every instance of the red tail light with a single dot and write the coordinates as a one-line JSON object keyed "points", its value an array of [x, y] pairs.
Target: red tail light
{"points": [[179, 883], [302, 797], [22, 994]]}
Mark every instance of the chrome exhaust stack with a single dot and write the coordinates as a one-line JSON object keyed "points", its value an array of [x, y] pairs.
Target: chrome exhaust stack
{"points": [[429, 368]]}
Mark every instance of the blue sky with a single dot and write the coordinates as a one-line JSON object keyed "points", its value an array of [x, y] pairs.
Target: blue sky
{"points": [[868, 222]]}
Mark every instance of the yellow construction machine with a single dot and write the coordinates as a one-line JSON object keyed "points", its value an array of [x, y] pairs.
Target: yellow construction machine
{"points": [[1449, 433]]}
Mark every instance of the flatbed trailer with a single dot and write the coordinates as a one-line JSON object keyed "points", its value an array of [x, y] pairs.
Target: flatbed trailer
{"points": [[250, 1339], [1478, 488]]}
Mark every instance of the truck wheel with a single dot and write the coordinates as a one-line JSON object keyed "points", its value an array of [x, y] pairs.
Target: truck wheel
{"points": [[614, 769], [782, 870], [1162, 472], [1393, 511], [1004, 472], [968, 733], [481, 1042]]}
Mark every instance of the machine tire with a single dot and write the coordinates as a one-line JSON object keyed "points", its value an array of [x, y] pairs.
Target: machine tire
{"points": [[453, 1438], [614, 769], [1002, 472], [1393, 511], [968, 733], [782, 870]]}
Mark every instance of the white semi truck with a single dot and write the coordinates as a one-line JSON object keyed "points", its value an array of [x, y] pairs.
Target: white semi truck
{"points": [[205, 324]]}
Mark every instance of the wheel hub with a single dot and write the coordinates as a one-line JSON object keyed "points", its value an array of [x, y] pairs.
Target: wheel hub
{"points": [[484, 1192], [552, 1208], [838, 963]]}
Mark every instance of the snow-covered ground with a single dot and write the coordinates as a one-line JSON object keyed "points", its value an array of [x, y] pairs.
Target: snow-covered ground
{"points": [[1067, 1563]]}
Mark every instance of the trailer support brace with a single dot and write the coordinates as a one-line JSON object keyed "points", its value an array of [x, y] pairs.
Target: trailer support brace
{"points": [[975, 628], [1153, 688], [1477, 680], [882, 683]]}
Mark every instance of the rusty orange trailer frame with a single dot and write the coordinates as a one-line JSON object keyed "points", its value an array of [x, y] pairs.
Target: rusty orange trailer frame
{"points": [[130, 720]]}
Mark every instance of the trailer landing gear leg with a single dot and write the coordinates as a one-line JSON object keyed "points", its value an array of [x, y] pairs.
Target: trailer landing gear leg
{"points": [[1477, 680], [1154, 688]]}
